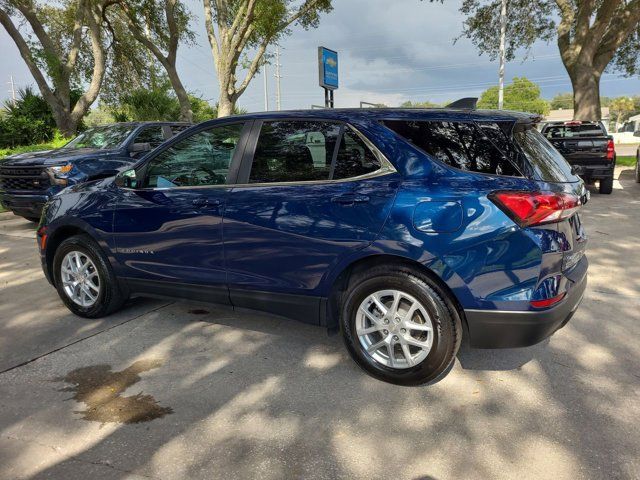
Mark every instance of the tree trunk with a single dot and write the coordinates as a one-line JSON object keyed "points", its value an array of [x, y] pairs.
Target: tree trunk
{"points": [[186, 114], [64, 121], [585, 80], [225, 105]]}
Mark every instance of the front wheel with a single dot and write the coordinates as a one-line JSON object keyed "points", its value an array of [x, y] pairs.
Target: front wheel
{"points": [[638, 169], [84, 278], [399, 326]]}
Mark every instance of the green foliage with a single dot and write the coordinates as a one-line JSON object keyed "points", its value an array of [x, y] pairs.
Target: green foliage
{"points": [[562, 101], [521, 95], [529, 21], [28, 121], [161, 104], [621, 109], [426, 104], [57, 142], [628, 161]]}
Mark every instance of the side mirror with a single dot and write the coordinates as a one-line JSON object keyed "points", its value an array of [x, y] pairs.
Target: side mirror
{"points": [[127, 179], [139, 147], [636, 133]]}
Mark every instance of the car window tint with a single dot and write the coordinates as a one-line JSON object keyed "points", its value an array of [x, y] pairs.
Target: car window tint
{"points": [[548, 163], [354, 157], [203, 158], [151, 135], [574, 131], [458, 144], [294, 151]]}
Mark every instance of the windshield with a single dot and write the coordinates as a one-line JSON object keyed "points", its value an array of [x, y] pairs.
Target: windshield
{"points": [[103, 138], [548, 164]]}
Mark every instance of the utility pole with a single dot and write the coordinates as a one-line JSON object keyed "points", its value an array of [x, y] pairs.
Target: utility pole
{"points": [[266, 88], [278, 76], [503, 34], [13, 90]]}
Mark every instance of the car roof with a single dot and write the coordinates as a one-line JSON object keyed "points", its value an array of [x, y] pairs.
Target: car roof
{"points": [[142, 123], [346, 114]]}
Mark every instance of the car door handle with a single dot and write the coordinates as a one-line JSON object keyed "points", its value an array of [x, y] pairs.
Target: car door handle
{"points": [[202, 202], [350, 199]]}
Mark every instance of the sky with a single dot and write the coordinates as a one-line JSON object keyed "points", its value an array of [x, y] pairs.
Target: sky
{"points": [[389, 52]]}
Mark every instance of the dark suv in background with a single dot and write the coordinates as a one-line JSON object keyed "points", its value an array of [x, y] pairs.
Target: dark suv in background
{"points": [[406, 230], [28, 180], [587, 147]]}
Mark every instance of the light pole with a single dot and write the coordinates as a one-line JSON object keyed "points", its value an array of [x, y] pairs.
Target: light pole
{"points": [[503, 34]]}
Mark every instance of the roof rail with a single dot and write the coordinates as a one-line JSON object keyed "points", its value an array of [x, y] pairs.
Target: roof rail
{"points": [[467, 103]]}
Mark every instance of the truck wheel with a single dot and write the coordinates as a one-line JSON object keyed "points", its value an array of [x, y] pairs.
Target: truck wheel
{"points": [[638, 170], [399, 326], [606, 185], [84, 278]]}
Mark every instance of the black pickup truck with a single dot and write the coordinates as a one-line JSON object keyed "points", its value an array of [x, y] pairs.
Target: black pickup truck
{"points": [[587, 148]]}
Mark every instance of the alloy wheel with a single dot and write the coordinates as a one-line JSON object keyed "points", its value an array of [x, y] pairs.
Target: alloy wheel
{"points": [[394, 328], [80, 279]]}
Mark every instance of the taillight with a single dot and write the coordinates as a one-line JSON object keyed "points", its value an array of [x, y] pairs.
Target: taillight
{"points": [[611, 150], [535, 208]]}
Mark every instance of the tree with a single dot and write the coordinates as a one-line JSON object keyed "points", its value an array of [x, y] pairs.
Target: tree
{"points": [[235, 27], [26, 121], [521, 95], [622, 108], [591, 36], [562, 101], [64, 48], [160, 26], [410, 104]]}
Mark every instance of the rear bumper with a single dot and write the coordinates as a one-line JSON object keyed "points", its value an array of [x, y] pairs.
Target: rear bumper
{"points": [[597, 172], [24, 205], [511, 329]]}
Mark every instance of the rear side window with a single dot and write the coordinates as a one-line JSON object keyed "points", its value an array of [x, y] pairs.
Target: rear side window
{"points": [[549, 165], [294, 151], [354, 158], [458, 144], [574, 131], [151, 135]]}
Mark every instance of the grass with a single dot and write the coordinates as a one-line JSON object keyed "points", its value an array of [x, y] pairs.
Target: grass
{"points": [[57, 142], [628, 161]]}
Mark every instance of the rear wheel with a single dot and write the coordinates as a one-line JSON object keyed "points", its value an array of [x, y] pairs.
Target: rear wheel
{"points": [[399, 326], [606, 185], [638, 169], [84, 278]]}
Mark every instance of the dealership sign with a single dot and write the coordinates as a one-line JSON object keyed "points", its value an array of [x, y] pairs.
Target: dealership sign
{"points": [[328, 68]]}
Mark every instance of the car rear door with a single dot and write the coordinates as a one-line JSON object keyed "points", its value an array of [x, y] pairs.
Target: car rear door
{"points": [[310, 194], [168, 233]]}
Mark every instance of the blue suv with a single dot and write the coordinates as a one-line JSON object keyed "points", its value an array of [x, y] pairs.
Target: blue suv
{"points": [[406, 230]]}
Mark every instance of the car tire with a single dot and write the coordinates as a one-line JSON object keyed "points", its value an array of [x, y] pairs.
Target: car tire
{"points": [[637, 169], [428, 361], [606, 185], [33, 219], [91, 289]]}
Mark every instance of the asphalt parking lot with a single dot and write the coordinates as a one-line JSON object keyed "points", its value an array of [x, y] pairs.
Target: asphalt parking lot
{"points": [[173, 390]]}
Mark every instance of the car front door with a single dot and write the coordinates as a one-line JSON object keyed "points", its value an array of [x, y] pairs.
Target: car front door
{"points": [[309, 194], [168, 232]]}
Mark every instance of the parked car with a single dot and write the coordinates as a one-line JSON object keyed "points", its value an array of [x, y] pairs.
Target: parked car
{"points": [[417, 229], [28, 180], [587, 147]]}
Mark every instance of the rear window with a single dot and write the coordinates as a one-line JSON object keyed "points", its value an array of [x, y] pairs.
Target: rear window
{"points": [[574, 131], [458, 144], [548, 164]]}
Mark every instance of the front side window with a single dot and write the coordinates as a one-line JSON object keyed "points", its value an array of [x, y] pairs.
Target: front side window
{"points": [[103, 138], [203, 158], [154, 136], [294, 151], [458, 144]]}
